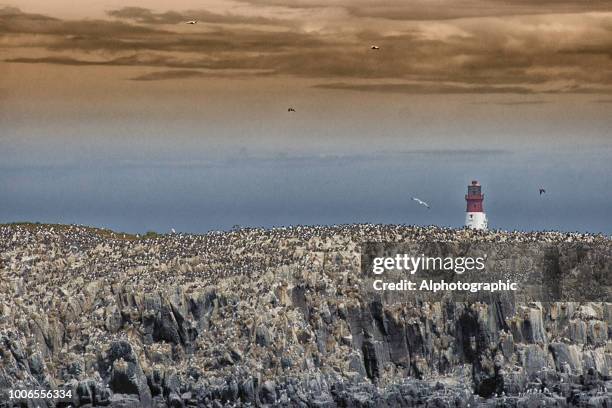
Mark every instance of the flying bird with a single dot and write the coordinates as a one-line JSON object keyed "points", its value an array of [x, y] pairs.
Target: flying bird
{"points": [[423, 203], [542, 191], [173, 231], [192, 22], [290, 110], [374, 47]]}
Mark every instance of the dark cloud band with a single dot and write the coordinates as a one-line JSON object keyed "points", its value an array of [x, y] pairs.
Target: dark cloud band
{"points": [[529, 54]]}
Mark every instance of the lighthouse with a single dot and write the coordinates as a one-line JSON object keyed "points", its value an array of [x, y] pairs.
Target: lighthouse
{"points": [[475, 217]]}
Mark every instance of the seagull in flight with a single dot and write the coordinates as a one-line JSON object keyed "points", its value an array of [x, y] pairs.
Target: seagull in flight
{"points": [[173, 230], [421, 202], [290, 110], [374, 47], [192, 22], [542, 191]]}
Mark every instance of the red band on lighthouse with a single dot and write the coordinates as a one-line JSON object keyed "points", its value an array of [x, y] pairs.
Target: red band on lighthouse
{"points": [[475, 216], [474, 197]]}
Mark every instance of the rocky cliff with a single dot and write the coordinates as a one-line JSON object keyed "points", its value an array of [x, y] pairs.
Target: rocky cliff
{"points": [[280, 317]]}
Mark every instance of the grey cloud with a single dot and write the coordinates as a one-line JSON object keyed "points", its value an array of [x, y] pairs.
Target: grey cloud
{"points": [[219, 41], [417, 10], [54, 60], [132, 60], [14, 21], [447, 10], [146, 16], [511, 103], [518, 55], [433, 88], [188, 74], [421, 88], [102, 35], [162, 75], [153, 60]]}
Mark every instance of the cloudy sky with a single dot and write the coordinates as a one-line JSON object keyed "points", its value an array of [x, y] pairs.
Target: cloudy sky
{"points": [[96, 84], [431, 46]]}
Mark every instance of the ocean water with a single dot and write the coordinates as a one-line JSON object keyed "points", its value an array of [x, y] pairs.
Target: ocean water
{"points": [[204, 155], [200, 193]]}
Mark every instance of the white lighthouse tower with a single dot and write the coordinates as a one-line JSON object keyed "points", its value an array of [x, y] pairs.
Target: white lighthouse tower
{"points": [[475, 216]]}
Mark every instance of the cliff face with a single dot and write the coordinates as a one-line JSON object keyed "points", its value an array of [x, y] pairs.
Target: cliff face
{"points": [[282, 317]]}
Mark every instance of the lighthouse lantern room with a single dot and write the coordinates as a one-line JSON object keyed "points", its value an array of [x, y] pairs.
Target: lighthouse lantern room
{"points": [[475, 216]]}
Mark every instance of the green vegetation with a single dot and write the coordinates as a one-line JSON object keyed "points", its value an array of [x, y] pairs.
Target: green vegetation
{"points": [[150, 234]]}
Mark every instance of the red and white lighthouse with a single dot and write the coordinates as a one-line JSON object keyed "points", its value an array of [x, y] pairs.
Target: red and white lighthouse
{"points": [[475, 216]]}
